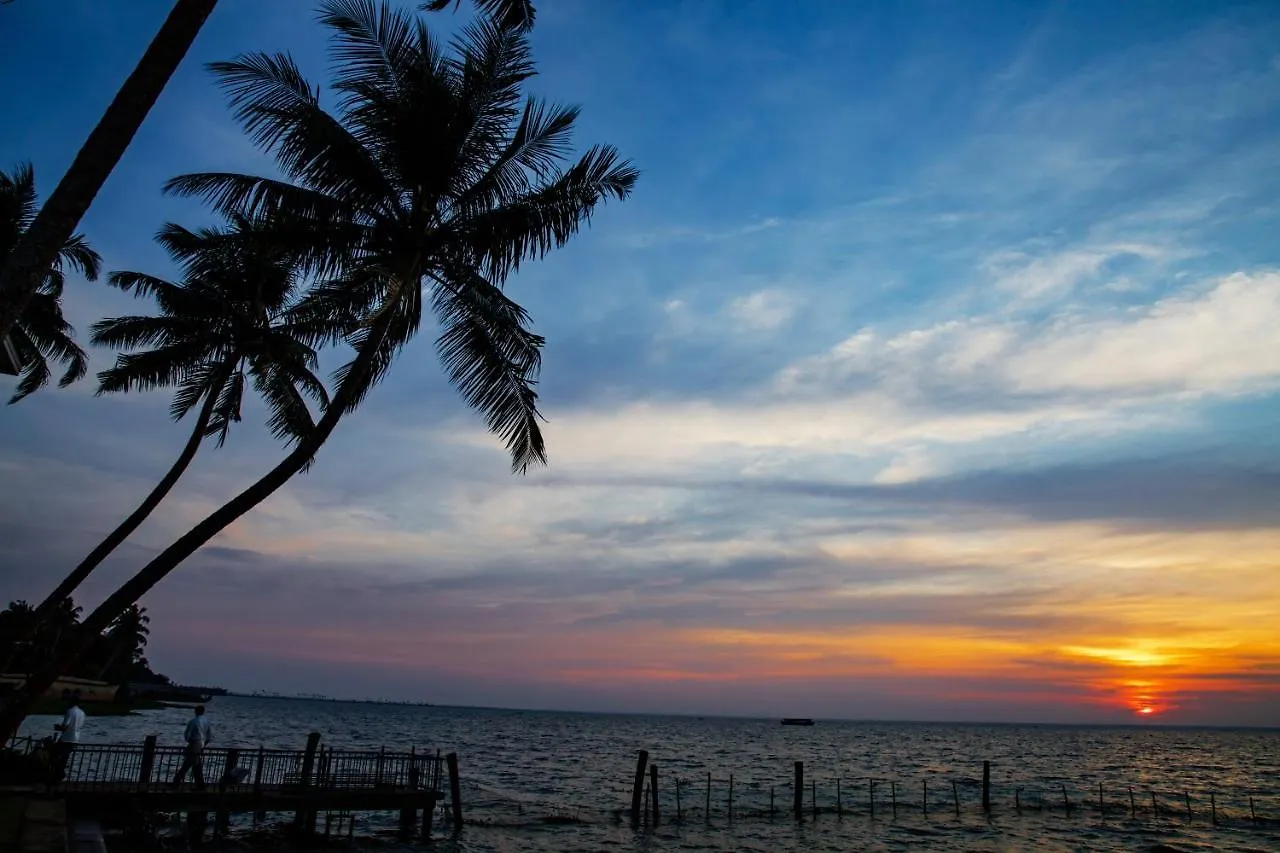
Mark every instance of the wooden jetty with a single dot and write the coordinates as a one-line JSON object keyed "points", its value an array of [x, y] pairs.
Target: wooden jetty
{"points": [[105, 779]]}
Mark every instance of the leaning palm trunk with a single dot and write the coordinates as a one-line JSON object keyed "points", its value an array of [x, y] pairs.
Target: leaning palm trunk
{"points": [[20, 701], [139, 515], [35, 253]]}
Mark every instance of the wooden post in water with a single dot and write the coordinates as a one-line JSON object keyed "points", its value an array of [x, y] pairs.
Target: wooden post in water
{"points": [[309, 757], [304, 818], [1066, 803], [730, 796], [1155, 808], [637, 789], [986, 788], [1133, 804], [1213, 808], [455, 790], [679, 810], [798, 791], [1253, 815], [893, 797], [871, 797], [653, 783], [147, 768], [222, 818], [409, 815], [839, 804], [1186, 796], [708, 805], [428, 813], [1102, 808], [1017, 800], [955, 795], [645, 809], [771, 809], [924, 798], [257, 783]]}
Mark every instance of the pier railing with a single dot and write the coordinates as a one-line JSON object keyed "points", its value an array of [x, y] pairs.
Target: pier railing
{"points": [[92, 766]]}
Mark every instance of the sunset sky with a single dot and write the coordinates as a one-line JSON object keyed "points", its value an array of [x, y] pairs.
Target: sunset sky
{"points": [[932, 372]]}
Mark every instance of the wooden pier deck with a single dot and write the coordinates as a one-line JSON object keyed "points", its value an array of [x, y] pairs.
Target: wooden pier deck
{"points": [[110, 778]]}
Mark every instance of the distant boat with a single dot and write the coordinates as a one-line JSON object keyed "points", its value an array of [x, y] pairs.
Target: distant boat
{"points": [[797, 721]]}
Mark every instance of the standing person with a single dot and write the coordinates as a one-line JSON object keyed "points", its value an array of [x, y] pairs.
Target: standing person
{"points": [[68, 736], [198, 734]]}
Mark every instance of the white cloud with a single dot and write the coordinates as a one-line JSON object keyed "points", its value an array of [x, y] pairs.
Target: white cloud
{"points": [[1220, 340], [878, 406], [1029, 277], [763, 311]]}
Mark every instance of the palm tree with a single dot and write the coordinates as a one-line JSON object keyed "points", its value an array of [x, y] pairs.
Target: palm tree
{"points": [[41, 333], [125, 642], [430, 185], [23, 271], [227, 323], [518, 14]]}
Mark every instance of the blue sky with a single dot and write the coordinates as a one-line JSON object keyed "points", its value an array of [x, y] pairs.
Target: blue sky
{"points": [[930, 372]]}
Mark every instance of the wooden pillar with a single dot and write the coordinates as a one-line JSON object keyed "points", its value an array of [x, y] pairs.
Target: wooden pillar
{"points": [[222, 818], [409, 814], [147, 768], [637, 789], [304, 819], [455, 790], [798, 804], [986, 788], [653, 783], [259, 814], [730, 796]]}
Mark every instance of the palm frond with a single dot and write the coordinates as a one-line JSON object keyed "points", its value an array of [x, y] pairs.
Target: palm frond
{"points": [[372, 41], [148, 370], [517, 14], [279, 110], [77, 254], [226, 411], [35, 371], [539, 143], [493, 359], [533, 224], [51, 334]]}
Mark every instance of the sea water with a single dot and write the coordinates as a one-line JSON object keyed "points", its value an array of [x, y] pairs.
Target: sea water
{"points": [[554, 781]]}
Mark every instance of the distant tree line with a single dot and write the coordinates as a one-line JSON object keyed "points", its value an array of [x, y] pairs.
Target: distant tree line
{"points": [[116, 655]]}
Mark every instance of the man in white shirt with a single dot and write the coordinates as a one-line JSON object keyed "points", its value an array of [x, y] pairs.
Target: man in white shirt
{"points": [[197, 735], [68, 736]]}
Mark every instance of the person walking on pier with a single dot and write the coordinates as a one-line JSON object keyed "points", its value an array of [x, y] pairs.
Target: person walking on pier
{"points": [[68, 735], [197, 735]]}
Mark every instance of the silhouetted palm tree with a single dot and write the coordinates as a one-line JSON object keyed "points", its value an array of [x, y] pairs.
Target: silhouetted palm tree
{"points": [[125, 643], [433, 182], [227, 324], [41, 333], [22, 272]]}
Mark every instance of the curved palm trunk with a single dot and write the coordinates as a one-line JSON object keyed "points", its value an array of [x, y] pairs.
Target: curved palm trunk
{"points": [[139, 515], [61, 213], [15, 710]]}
